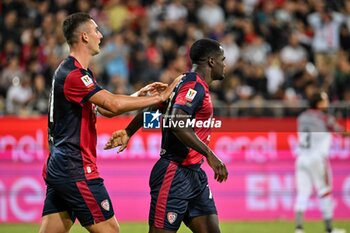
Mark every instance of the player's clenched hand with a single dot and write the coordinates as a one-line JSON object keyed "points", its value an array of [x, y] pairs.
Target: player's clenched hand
{"points": [[118, 138], [219, 168]]}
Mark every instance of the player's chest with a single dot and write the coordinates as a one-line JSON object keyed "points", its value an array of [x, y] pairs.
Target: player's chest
{"points": [[206, 110]]}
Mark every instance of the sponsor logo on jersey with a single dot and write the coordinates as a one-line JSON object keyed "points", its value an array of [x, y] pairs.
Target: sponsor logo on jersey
{"points": [[190, 95], [171, 217], [105, 204], [87, 81]]}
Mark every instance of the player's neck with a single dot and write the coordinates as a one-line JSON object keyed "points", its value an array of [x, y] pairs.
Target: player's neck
{"points": [[203, 72], [82, 56]]}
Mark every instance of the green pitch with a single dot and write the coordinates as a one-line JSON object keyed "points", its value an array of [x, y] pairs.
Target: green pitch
{"points": [[226, 227]]}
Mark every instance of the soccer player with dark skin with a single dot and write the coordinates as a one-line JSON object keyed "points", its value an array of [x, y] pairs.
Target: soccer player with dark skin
{"points": [[179, 187], [74, 186]]}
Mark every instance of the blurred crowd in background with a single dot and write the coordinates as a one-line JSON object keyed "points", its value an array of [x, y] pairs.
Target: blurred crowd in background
{"points": [[278, 52]]}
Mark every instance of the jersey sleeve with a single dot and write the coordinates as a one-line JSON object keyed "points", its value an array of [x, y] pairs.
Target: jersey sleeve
{"points": [[333, 125], [79, 87], [190, 97]]}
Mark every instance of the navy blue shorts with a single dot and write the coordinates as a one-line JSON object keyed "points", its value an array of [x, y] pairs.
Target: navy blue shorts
{"points": [[178, 194], [86, 200]]}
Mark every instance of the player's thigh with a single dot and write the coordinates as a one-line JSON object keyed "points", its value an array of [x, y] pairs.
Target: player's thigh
{"points": [[322, 177], [168, 196], [56, 223], [303, 180], [109, 226], [202, 204], [204, 224], [88, 200], [57, 215]]}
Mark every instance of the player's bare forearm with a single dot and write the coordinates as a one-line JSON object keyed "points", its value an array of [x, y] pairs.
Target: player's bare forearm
{"points": [[135, 124], [186, 135], [137, 121], [189, 138], [105, 112], [118, 104]]}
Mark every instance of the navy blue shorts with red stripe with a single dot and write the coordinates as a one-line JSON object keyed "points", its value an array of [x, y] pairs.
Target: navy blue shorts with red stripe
{"points": [[178, 193], [87, 200]]}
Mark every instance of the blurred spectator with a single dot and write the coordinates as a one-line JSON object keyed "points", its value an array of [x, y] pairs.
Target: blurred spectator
{"points": [[175, 11], [275, 50], [9, 29], [293, 56], [326, 25], [275, 77], [11, 49], [156, 12], [232, 51], [137, 15], [117, 14], [19, 96], [342, 78], [115, 58], [11, 71], [40, 96], [256, 51], [345, 38], [211, 14], [175, 68]]}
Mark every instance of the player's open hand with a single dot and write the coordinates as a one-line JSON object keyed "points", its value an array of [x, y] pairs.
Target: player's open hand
{"points": [[218, 167], [153, 89], [118, 138]]}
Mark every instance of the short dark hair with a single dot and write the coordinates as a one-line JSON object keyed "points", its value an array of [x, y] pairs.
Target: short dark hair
{"points": [[202, 49], [316, 98], [71, 23]]}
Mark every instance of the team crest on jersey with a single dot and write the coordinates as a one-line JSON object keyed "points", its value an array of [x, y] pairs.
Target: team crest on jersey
{"points": [[171, 217], [105, 205], [87, 81], [190, 95]]}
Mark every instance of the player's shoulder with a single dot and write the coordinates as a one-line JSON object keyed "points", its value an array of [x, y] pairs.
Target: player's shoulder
{"points": [[193, 79], [314, 115], [189, 77], [68, 66]]}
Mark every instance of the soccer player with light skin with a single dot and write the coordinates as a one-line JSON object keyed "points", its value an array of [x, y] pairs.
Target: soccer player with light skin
{"points": [[179, 187], [315, 129], [74, 187]]}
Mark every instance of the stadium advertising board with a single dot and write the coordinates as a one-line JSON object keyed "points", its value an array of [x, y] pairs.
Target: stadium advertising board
{"points": [[259, 154]]}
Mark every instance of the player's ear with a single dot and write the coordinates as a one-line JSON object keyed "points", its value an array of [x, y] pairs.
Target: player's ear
{"points": [[211, 61], [84, 37]]}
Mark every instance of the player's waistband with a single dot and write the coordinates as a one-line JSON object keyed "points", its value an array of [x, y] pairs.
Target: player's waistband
{"points": [[194, 167]]}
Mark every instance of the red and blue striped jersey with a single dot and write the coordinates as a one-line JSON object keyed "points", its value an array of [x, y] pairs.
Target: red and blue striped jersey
{"points": [[192, 96], [71, 124]]}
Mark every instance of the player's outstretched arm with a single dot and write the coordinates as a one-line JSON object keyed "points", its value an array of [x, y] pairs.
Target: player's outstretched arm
{"points": [[189, 138], [118, 104], [152, 89]]}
